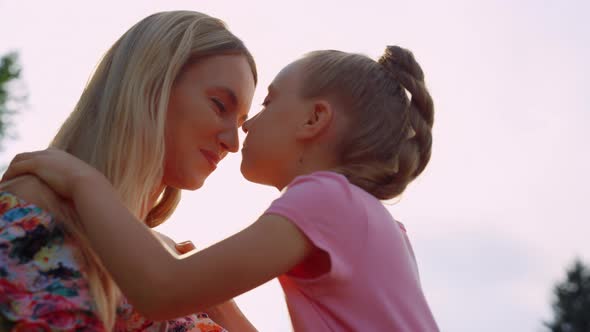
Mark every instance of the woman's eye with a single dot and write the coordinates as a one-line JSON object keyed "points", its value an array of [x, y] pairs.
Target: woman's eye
{"points": [[265, 102], [220, 106]]}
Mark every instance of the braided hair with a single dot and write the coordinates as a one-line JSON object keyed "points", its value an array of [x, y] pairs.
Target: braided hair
{"points": [[388, 140]]}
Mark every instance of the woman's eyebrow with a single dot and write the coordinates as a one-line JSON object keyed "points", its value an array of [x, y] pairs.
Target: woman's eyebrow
{"points": [[233, 99]]}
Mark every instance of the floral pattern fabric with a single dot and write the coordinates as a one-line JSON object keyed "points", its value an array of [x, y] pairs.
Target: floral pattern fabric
{"points": [[42, 283]]}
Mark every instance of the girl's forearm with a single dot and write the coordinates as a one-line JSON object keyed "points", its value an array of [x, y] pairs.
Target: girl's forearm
{"points": [[161, 285], [122, 242]]}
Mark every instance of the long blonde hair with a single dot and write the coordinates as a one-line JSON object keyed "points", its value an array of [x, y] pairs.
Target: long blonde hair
{"points": [[118, 124]]}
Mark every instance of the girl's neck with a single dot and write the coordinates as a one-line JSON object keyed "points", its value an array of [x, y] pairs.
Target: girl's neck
{"points": [[310, 163]]}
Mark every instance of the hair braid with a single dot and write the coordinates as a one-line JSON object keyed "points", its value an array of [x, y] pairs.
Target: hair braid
{"points": [[415, 150]]}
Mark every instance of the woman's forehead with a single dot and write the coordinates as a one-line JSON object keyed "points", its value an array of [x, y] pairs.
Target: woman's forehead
{"points": [[229, 73]]}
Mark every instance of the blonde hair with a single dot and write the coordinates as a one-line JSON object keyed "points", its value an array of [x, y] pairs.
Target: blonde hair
{"points": [[388, 141], [118, 124]]}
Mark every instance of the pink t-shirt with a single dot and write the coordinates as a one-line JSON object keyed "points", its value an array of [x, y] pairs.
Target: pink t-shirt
{"points": [[373, 282]]}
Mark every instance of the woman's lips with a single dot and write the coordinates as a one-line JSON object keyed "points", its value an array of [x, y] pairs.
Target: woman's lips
{"points": [[211, 157]]}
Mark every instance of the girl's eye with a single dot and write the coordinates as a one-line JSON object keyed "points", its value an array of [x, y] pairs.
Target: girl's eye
{"points": [[265, 102], [220, 106]]}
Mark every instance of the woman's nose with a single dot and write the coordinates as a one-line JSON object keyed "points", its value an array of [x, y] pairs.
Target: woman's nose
{"points": [[229, 140]]}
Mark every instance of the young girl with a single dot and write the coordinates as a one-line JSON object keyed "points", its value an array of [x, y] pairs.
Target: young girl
{"points": [[338, 133]]}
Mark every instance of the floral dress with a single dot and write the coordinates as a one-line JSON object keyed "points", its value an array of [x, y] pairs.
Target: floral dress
{"points": [[42, 284]]}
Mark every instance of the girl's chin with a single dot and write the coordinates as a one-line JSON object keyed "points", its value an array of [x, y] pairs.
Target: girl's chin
{"points": [[245, 171], [253, 177]]}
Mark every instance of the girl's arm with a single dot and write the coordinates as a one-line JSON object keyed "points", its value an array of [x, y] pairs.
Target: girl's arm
{"points": [[158, 283], [139, 264], [226, 314]]}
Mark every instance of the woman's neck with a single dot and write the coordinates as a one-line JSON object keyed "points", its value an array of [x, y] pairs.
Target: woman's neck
{"points": [[153, 200], [156, 195]]}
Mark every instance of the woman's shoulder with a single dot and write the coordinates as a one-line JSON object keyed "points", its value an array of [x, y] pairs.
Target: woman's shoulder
{"points": [[32, 193], [16, 211], [30, 190], [27, 235], [28, 228], [40, 271]]}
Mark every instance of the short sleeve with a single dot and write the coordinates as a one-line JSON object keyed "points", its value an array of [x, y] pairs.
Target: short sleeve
{"points": [[324, 206], [42, 287]]}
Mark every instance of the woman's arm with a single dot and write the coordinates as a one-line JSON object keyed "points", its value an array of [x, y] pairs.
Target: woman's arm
{"points": [[229, 315], [159, 284]]}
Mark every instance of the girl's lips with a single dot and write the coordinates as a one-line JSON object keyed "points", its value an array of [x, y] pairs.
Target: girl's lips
{"points": [[211, 157]]}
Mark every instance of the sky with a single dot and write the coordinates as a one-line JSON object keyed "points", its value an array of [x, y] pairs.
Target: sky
{"points": [[499, 212]]}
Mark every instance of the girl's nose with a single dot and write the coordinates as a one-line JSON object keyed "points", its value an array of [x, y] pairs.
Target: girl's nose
{"points": [[248, 123], [246, 126]]}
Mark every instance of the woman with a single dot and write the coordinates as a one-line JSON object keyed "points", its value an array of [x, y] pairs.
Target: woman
{"points": [[161, 110]]}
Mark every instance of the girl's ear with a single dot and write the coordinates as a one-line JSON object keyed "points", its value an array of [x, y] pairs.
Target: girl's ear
{"points": [[317, 120]]}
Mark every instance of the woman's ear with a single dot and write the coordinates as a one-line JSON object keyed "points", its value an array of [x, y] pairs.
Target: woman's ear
{"points": [[317, 120]]}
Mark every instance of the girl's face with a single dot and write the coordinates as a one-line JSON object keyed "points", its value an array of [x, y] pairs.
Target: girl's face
{"points": [[271, 152], [208, 102]]}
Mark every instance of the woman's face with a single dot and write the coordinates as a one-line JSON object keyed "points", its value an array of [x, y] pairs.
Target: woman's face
{"points": [[208, 102]]}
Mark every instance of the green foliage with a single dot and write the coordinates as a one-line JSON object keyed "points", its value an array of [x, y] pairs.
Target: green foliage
{"points": [[571, 307], [9, 72]]}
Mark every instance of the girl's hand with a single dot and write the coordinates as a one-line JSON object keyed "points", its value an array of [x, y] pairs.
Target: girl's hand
{"points": [[59, 169], [184, 247]]}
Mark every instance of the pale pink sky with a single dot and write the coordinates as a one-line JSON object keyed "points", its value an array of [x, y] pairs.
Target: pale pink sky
{"points": [[499, 212]]}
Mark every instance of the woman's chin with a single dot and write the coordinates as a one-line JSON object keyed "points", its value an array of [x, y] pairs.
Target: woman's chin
{"points": [[190, 184], [197, 184]]}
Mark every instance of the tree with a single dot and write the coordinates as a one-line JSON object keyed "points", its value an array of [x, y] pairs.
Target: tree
{"points": [[571, 307], [9, 73]]}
